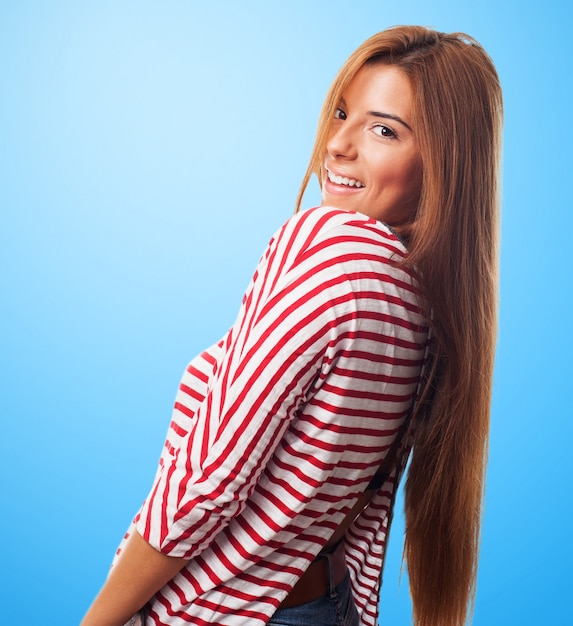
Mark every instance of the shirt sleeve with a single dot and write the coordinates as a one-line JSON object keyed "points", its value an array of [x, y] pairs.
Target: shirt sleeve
{"points": [[292, 312]]}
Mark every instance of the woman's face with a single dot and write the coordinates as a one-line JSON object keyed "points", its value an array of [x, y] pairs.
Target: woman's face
{"points": [[372, 163]]}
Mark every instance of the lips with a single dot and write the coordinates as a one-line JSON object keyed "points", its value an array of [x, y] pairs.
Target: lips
{"points": [[344, 180]]}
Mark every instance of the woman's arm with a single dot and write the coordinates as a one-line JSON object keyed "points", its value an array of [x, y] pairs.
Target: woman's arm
{"points": [[138, 574]]}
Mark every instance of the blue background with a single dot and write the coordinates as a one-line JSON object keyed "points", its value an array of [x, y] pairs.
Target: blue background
{"points": [[148, 150]]}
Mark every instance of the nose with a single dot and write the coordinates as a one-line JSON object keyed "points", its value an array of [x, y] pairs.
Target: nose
{"points": [[342, 142]]}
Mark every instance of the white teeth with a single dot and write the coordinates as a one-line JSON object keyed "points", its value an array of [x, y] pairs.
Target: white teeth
{"points": [[343, 180]]}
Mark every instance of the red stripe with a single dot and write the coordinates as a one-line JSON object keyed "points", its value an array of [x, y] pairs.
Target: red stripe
{"points": [[182, 408], [335, 426], [174, 426], [191, 392]]}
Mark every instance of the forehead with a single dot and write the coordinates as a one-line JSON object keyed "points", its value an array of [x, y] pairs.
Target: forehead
{"points": [[380, 87]]}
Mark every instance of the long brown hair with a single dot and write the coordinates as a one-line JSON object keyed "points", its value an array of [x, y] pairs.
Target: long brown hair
{"points": [[453, 243]]}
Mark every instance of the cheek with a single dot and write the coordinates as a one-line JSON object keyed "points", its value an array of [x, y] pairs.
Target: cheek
{"points": [[396, 175]]}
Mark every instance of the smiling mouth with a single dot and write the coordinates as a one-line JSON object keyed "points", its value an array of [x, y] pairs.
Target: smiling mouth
{"points": [[342, 180]]}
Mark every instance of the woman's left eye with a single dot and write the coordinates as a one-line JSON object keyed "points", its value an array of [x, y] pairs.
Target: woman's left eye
{"points": [[384, 131]]}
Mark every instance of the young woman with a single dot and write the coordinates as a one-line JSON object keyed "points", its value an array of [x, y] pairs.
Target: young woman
{"points": [[367, 332]]}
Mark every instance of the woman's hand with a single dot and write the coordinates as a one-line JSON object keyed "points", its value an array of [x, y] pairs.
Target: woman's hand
{"points": [[140, 572]]}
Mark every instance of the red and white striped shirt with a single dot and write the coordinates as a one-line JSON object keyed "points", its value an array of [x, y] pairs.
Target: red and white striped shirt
{"points": [[278, 428]]}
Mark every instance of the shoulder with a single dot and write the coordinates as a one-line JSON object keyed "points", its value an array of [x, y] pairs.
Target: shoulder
{"points": [[338, 231], [325, 252]]}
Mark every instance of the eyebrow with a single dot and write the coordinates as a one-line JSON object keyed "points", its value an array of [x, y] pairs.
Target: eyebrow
{"points": [[386, 116], [389, 116]]}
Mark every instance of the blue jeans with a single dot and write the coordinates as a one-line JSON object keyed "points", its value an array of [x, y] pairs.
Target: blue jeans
{"points": [[334, 609]]}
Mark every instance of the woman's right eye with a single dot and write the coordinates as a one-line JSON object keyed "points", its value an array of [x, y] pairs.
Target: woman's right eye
{"points": [[339, 114]]}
